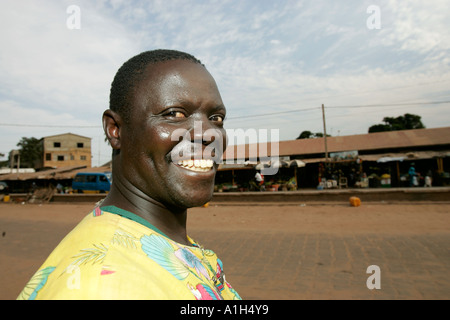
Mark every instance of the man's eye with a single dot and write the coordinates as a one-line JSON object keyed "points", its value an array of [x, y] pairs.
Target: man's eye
{"points": [[176, 114], [217, 118]]}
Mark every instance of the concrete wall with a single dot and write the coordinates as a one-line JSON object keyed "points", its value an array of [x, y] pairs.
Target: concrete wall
{"points": [[435, 194], [69, 150]]}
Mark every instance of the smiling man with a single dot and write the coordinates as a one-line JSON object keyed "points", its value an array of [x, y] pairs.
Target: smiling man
{"points": [[165, 125]]}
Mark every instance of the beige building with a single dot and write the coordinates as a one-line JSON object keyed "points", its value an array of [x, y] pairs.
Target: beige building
{"points": [[65, 150]]}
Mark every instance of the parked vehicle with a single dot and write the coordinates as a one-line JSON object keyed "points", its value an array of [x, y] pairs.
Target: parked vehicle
{"points": [[92, 182]]}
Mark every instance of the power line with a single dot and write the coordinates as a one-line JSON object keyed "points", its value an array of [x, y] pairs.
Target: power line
{"points": [[46, 125], [272, 113], [342, 107], [290, 102], [390, 104], [240, 117]]}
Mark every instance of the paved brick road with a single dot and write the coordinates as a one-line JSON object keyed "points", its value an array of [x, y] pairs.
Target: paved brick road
{"points": [[323, 266], [275, 252]]}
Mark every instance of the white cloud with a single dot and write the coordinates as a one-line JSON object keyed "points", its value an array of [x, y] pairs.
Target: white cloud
{"points": [[49, 65], [266, 56], [53, 75], [416, 26]]}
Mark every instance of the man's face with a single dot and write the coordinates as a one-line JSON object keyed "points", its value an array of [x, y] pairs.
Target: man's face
{"points": [[174, 105]]}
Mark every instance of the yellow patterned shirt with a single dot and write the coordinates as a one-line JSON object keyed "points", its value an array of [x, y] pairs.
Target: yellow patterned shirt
{"points": [[114, 254]]}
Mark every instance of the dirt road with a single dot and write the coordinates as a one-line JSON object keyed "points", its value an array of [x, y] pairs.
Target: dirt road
{"points": [[273, 251]]}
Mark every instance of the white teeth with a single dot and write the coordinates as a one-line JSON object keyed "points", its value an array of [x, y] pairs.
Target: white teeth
{"points": [[202, 165]]}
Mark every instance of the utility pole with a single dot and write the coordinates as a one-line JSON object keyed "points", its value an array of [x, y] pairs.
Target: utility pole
{"points": [[325, 135], [99, 140]]}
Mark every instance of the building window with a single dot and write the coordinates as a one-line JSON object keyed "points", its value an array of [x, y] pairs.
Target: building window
{"points": [[57, 144], [82, 157], [48, 156], [72, 157], [80, 145], [60, 158]]}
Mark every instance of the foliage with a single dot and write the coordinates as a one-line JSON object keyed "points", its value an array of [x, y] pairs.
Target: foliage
{"points": [[30, 151], [309, 135], [406, 122]]}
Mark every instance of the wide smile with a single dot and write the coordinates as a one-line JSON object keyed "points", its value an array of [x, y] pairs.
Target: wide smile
{"points": [[197, 165]]}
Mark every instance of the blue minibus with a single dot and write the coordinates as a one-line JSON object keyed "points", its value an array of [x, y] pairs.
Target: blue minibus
{"points": [[92, 182]]}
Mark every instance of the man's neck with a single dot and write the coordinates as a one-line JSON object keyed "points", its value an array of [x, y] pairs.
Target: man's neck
{"points": [[171, 222]]}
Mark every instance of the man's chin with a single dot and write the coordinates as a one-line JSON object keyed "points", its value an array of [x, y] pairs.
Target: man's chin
{"points": [[193, 198]]}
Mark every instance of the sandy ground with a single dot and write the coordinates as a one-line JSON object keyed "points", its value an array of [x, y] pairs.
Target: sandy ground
{"points": [[273, 251]]}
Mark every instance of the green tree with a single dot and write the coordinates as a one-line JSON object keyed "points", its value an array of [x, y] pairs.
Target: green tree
{"points": [[406, 122], [30, 152], [309, 135]]}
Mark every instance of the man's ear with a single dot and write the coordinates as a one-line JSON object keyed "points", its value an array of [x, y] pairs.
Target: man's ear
{"points": [[112, 124]]}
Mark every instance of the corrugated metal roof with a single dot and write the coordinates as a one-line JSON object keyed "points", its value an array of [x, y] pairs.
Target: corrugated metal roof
{"points": [[361, 142], [416, 155], [57, 174]]}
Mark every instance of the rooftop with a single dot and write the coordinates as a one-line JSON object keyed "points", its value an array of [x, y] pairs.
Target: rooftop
{"points": [[360, 142]]}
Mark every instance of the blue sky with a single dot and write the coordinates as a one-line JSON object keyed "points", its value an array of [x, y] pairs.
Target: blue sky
{"points": [[275, 62]]}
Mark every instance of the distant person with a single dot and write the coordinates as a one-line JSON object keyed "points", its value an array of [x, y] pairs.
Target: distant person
{"points": [[428, 179], [412, 176], [260, 180], [135, 244]]}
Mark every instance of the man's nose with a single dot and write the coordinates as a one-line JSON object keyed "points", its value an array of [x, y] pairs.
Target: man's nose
{"points": [[201, 132]]}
